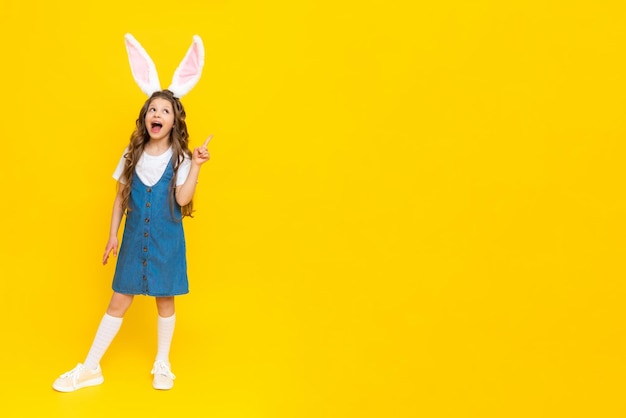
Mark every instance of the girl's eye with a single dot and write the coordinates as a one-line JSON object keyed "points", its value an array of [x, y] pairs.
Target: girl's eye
{"points": [[166, 111]]}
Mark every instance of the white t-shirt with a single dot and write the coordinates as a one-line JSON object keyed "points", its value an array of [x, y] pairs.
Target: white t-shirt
{"points": [[150, 168]]}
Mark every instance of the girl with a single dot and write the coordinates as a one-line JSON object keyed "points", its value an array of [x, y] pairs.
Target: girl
{"points": [[157, 177]]}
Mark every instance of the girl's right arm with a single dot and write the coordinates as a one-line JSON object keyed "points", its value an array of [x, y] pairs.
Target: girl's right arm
{"points": [[116, 219]]}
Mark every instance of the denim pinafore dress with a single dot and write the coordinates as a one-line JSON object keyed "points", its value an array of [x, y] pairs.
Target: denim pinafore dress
{"points": [[152, 258]]}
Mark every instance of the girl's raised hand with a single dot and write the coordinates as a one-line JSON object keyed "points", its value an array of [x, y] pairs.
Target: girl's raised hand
{"points": [[201, 154]]}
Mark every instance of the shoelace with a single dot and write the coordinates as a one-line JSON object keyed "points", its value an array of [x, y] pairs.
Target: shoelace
{"points": [[74, 373], [161, 368]]}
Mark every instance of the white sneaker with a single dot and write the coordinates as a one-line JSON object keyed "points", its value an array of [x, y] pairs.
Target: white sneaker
{"points": [[163, 377], [78, 377]]}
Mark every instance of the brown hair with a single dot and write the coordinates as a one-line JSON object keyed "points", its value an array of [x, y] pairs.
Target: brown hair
{"points": [[179, 139]]}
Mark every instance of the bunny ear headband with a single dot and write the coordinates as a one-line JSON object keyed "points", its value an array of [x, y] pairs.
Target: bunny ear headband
{"points": [[145, 74]]}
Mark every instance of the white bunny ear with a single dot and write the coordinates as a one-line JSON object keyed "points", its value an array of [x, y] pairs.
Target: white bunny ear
{"points": [[143, 68], [189, 70]]}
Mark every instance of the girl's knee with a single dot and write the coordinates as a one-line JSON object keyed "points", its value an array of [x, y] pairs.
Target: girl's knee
{"points": [[119, 304], [165, 306]]}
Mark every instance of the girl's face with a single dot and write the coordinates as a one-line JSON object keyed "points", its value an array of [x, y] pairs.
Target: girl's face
{"points": [[159, 119]]}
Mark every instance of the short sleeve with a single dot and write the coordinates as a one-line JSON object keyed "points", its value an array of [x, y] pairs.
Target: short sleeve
{"points": [[183, 171], [117, 174]]}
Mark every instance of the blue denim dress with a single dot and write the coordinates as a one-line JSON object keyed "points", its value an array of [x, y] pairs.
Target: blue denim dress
{"points": [[152, 258]]}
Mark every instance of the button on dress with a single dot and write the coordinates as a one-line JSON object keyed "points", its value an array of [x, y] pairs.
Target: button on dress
{"points": [[152, 258]]}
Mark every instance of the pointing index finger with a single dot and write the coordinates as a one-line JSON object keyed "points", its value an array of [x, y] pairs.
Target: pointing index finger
{"points": [[207, 140]]}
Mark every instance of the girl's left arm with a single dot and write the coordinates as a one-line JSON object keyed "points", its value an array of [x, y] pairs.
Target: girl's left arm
{"points": [[185, 192]]}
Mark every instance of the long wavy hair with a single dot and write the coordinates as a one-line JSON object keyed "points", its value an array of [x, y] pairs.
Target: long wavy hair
{"points": [[179, 139]]}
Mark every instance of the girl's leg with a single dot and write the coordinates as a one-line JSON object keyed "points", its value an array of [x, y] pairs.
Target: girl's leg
{"points": [[163, 377], [119, 304], [165, 325], [109, 326], [165, 306], [89, 373]]}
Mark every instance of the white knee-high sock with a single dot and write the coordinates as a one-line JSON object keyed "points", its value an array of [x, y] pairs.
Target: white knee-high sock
{"points": [[165, 334], [109, 326]]}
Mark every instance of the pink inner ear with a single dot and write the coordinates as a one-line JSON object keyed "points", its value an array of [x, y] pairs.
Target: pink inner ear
{"points": [[141, 69], [190, 68]]}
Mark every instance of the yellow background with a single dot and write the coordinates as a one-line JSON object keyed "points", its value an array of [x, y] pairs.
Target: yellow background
{"points": [[413, 209]]}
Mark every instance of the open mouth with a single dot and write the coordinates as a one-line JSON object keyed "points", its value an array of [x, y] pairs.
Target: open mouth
{"points": [[155, 127]]}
